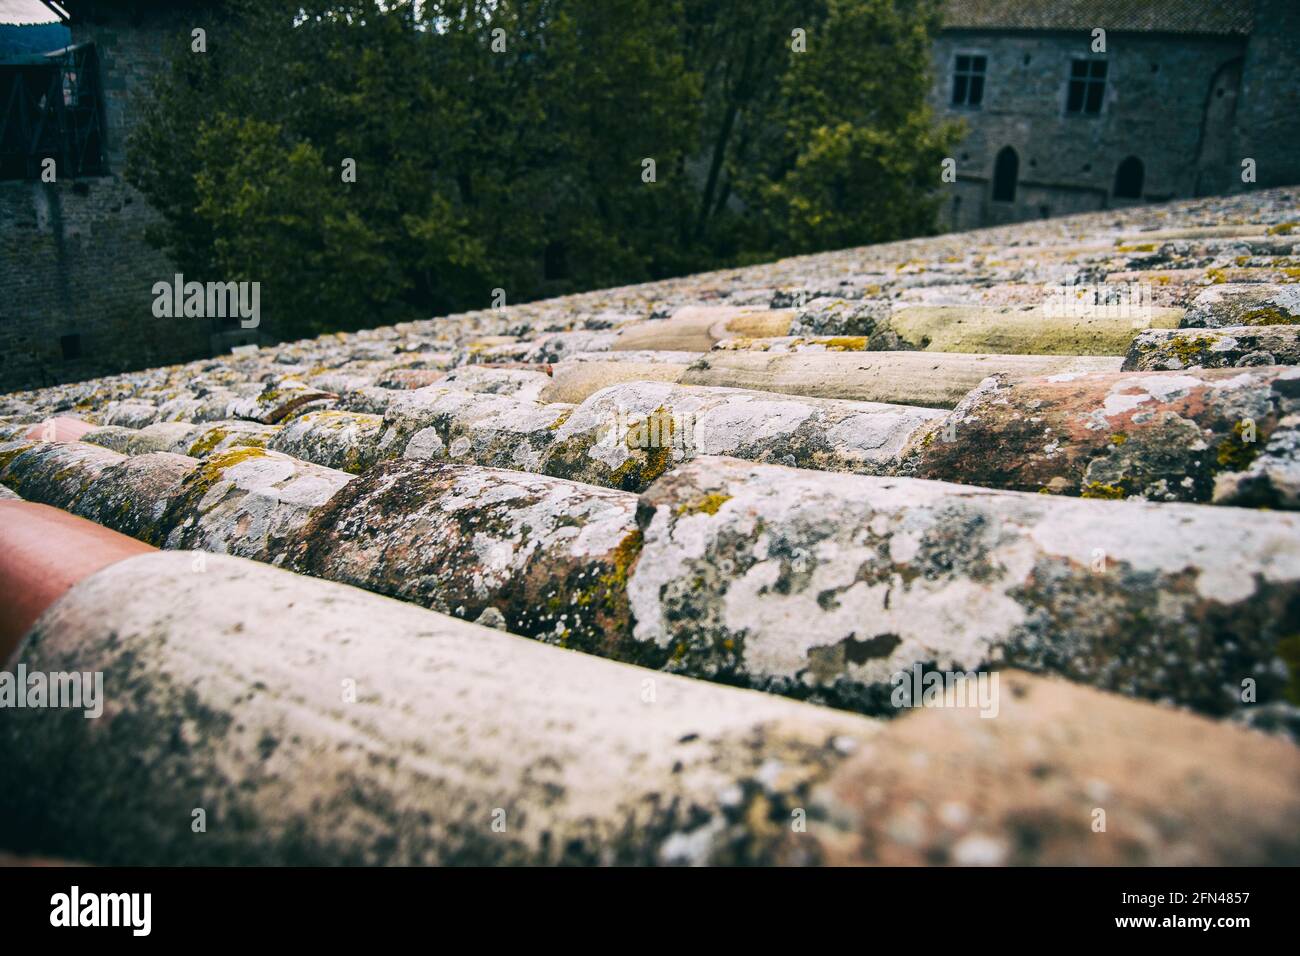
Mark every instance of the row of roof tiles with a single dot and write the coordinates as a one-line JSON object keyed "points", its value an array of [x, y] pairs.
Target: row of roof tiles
{"points": [[551, 470]]}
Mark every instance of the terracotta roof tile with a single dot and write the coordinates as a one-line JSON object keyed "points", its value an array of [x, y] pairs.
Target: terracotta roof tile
{"points": [[804, 478]]}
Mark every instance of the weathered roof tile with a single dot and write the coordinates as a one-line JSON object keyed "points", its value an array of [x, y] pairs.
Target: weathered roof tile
{"points": [[431, 461]]}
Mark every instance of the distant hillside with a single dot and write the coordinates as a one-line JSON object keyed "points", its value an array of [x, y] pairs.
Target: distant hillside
{"points": [[25, 39]]}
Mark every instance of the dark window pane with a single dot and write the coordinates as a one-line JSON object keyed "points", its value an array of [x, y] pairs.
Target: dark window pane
{"points": [[963, 63], [1075, 101], [959, 89], [1095, 91], [976, 89], [978, 63], [1079, 68], [1005, 170], [1099, 69]]}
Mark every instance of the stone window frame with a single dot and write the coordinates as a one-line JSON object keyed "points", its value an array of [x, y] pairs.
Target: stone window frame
{"points": [[965, 105], [1106, 85]]}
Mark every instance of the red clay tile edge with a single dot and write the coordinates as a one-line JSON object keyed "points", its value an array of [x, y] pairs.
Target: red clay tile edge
{"points": [[61, 428], [43, 552]]}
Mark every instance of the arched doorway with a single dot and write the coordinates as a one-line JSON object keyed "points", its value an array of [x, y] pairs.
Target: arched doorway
{"points": [[1006, 169], [1128, 179], [1215, 160]]}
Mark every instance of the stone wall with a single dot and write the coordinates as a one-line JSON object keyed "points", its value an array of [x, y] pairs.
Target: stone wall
{"points": [[1269, 112], [1155, 105], [76, 273]]}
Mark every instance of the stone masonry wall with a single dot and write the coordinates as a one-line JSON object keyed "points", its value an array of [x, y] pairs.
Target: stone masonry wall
{"points": [[76, 273], [1156, 92], [1269, 111]]}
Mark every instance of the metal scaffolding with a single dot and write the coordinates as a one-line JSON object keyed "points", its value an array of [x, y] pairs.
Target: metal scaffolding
{"points": [[51, 108]]}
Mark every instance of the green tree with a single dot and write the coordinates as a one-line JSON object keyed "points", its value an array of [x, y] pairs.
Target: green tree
{"points": [[276, 215], [858, 153], [501, 143], [742, 50]]}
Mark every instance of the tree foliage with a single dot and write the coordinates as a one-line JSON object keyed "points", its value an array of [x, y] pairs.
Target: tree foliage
{"points": [[502, 144]]}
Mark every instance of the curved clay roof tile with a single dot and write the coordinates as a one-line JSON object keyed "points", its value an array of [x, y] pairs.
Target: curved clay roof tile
{"points": [[44, 552]]}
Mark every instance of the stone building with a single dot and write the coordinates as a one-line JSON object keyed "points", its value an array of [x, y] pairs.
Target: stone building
{"points": [[76, 271], [1167, 103]]}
